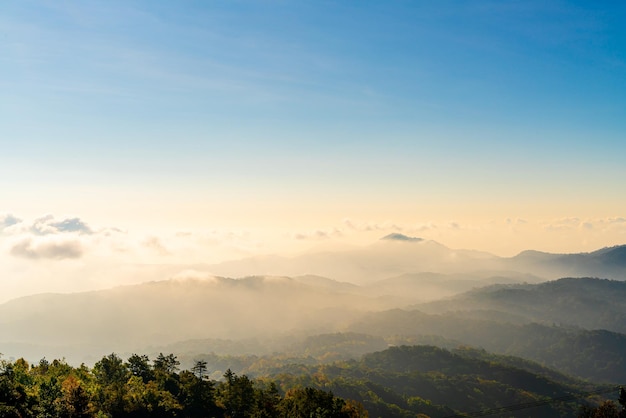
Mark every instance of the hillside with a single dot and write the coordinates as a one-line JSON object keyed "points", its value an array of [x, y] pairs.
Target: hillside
{"points": [[133, 317], [408, 380], [580, 302], [596, 355], [261, 315]]}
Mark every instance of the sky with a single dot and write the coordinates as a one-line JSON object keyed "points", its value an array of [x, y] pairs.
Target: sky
{"points": [[160, 133]]}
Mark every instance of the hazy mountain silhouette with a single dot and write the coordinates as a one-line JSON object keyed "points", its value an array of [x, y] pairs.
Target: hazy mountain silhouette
{"points": [[580, 302], [132, 317], [393, 255], [400, 237], [395, 272], [607, 262], [397, 254]]}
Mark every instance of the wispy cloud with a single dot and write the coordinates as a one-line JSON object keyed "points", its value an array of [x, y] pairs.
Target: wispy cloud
{"points": [[516, 221], [319, 234], [7, 220], [47, 225], [597, 224], [562, 224], [371, 226], [48, 238], [155, 244], [47, 249]]}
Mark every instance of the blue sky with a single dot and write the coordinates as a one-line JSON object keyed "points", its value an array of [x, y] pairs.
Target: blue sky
{"points": [[452, 119]]}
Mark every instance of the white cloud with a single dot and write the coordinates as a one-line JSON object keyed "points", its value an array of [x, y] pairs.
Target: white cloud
{"points": [[7, 220], [318, 234], [49, 238], [47, 249], [47, 225]]}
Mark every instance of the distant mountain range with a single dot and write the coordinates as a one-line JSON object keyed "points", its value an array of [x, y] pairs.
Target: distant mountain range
{"points": [[397, 254], [415, 288]]}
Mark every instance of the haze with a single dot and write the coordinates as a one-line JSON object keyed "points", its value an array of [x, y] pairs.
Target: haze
{"points": [[139, 139]]}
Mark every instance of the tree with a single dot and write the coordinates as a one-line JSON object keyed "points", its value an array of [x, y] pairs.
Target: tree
{"points": [[200, 369], [111, 369], [140, 366], [74, 402], [314, 403], [236, 395], [267, 401], [165, 368], [13, 399], [166, 364], [111, 375], [197, 396]]}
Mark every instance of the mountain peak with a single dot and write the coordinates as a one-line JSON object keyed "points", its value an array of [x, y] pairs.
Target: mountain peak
{"points": [[400, 237]]}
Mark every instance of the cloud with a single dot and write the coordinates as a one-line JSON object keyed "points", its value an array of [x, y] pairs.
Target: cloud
{"points": [[7, 220], [47, 249], [599, 225], [371, 226], [318, 234], [563, 224], [72, 225], [607, 224], [47, 225], [156, 245]]}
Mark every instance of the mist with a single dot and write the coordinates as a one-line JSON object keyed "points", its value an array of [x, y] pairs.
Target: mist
{"points": [[317, 293]]}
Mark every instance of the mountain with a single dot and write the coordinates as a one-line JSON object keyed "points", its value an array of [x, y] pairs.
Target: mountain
{"points": [[397, 254], [131, 317], [406, 381], [401, 237], [607, 262], [578, 302], [197, 306], [424, 287], [393, 255], [595, 355]]}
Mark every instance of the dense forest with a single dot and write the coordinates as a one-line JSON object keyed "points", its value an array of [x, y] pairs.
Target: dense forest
{"points": [[404, 381], [554, 349], [141, 388]]}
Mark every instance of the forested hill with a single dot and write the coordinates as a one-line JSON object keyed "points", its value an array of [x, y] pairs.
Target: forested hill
{"points": [[597, 355], [580, 302], [402, 381], [408, 380]]}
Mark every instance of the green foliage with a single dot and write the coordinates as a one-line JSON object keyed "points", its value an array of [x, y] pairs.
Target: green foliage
{"points": [[311, 403], [114, 388], [596, 355], [406, 381], [140, 366], [401, 381]]}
